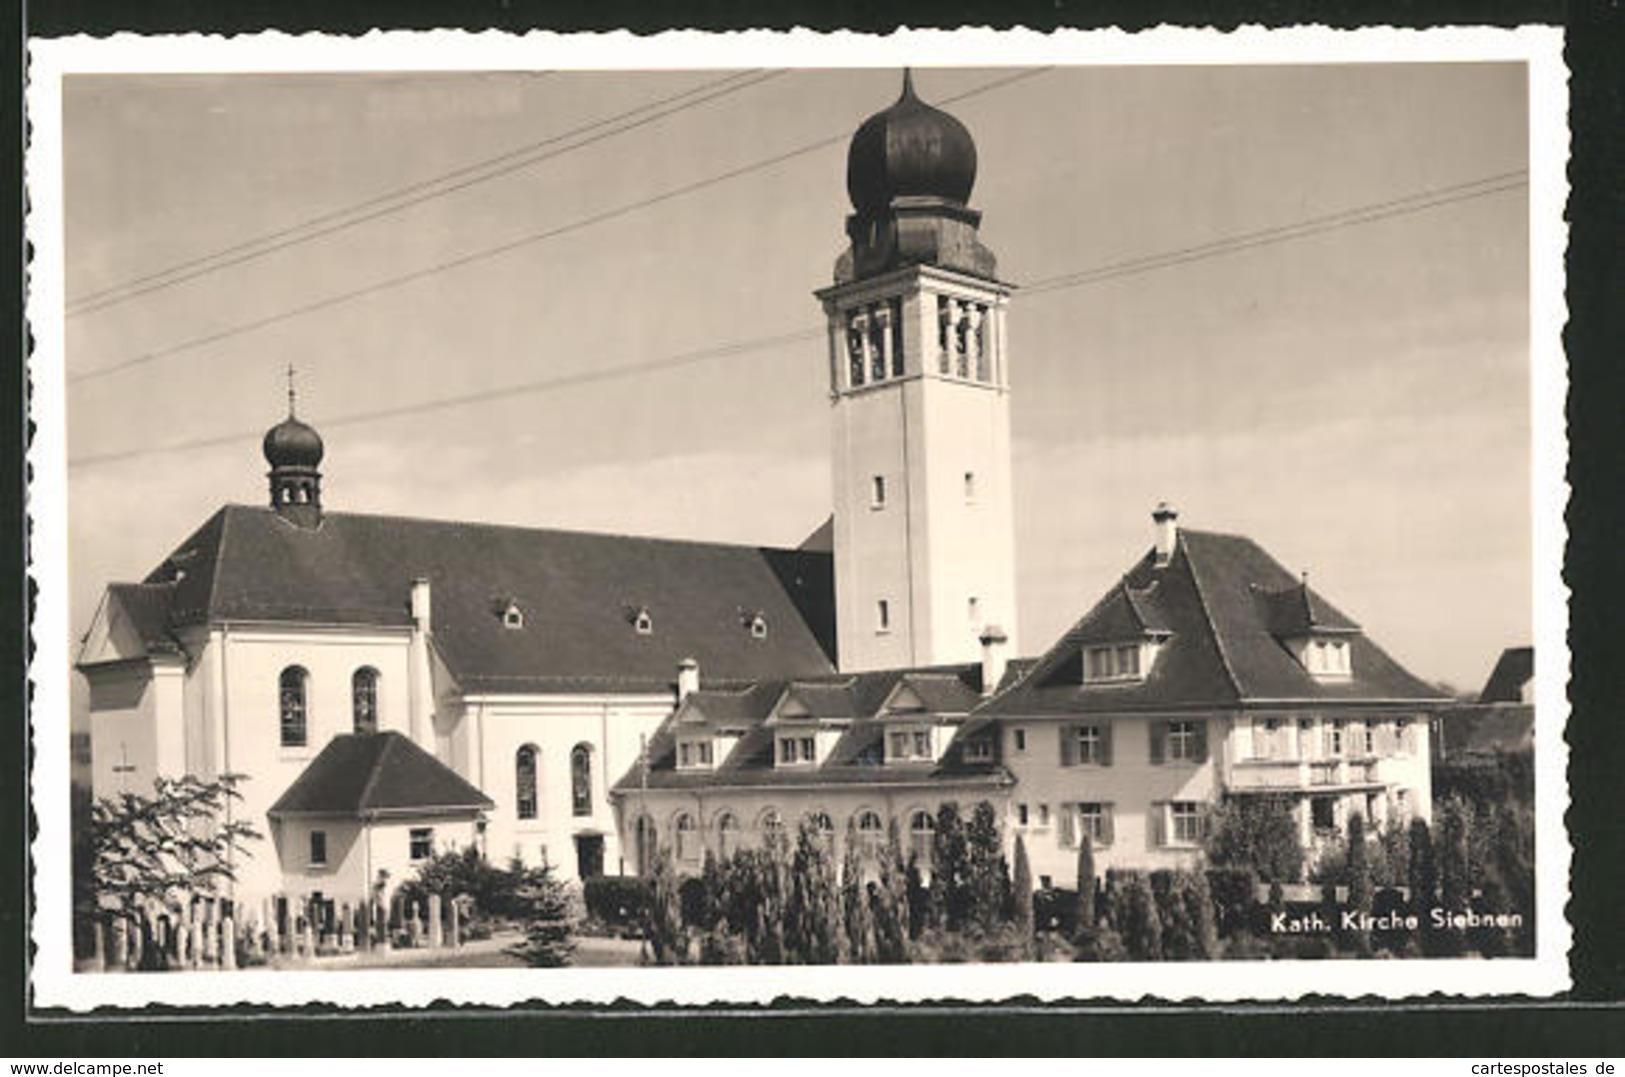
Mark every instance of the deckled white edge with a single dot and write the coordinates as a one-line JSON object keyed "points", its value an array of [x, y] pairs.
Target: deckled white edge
{"points": [[55, 985]]}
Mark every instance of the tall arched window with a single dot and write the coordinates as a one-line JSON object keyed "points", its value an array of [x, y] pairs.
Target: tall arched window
{"points": [[921, 833], [581, 780], [292, 694], [364, 699], [727, 835], [687, 838], [871, 832], [824, 828], [524, 779]]}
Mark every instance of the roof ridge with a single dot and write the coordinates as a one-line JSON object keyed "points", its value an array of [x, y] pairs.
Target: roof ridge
{"points": [[1213, 629], [219, 559], [391, 517], [377, 769]]}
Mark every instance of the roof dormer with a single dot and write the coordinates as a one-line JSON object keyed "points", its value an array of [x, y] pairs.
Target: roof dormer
{"points": [[1121, 640], [1317, 635]]}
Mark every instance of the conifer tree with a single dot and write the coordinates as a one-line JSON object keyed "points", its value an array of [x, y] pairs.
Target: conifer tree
{"points": [[1086, 886], [664, 926], [1023, 884], [987, 875], [813, 913], [891, 906], [1422, 875], [949, 894], [857, 915]]}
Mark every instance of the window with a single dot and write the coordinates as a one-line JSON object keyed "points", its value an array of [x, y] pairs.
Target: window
{"points": [[922, 744], [642, 623], [973, 608], [1334, 739], [727, 834], [771, 824], [1021, 815], [1095, 822], [894, 325], [293, 686], [758, 627], [970, 486], [854, 347], [883, 616], [877, 492], [364, 700], [1369, 740], [1185, 817], [513, 616], [979, 750], [694, 753], [909, 744], [318, 848], [787, 750], [823, 827], [1086, 745], [1323, 814], [1021, 740], [1119, 662], [871, 832], [524, 780], [798, 750], [945, 321], [687, 838], [922, 830], [809, 750], [1043, 815], [581, 780], [1183, 741], [421, 843]]}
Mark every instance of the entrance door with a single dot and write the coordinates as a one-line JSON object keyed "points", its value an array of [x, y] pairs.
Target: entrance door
{"points": [[589, 855]]}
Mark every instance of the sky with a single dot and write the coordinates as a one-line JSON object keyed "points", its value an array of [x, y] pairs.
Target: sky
{"points": [[1355, 395]]}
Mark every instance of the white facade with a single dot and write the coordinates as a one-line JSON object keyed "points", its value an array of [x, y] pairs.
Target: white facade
{"points": [[924, 532]]}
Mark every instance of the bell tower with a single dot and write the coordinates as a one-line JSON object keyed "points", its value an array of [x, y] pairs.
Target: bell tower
{"points": [[294, 451], [920, 402]]}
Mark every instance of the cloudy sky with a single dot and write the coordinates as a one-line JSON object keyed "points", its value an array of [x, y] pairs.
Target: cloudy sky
{"points": [[583, 300]]}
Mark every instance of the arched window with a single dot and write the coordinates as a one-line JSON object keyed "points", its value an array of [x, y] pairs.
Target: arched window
{"points": [[824, 828], [364, 699], [921, 832], [871, 832], [686, 838], [581, 780], [293, 686], [524, 780], [771, 825], [727, 835]]}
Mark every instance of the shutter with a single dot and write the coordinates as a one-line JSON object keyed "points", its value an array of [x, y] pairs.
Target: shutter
{"points": [[1069, 826], [1069, 746], [1326, 740], [1108, 829], [1199, 740], [1105, 744], [1159, 822], [1204, 817], [1159, 733]]}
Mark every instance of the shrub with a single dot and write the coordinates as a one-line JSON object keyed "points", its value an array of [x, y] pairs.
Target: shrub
{"points": [[620, 901], [1056, 910], [1235, 892], [1260, 833]]}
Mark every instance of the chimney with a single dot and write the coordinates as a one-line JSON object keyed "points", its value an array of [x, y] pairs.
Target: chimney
{"points": [[420, 674], [1167, 531], [994, 659], [688, 678]]}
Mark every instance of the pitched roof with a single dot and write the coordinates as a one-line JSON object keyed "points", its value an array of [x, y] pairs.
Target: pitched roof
{"points": [[147, 605], [578, 592], [852, 700], [363, 774], [1512, 671], [1225, 644], [1298, 611]]}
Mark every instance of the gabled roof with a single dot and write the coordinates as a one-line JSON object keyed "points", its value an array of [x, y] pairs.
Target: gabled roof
{"points": [[365, 774], [1514, 669], [1225, 645], [1125, 614], [854, 699], [1297, 611], [147, 606], [578, 592]]}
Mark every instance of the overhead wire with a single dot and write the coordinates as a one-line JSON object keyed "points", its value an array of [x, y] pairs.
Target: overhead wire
{"points": [[1366, 214], [399, 199], [487, 253]]}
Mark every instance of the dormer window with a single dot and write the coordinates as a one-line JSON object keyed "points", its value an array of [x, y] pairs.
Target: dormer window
{"points": [[757, 625], [697, 754], [1117, 662], [797, 751], [513, 616], [642, 623], [1325, 658], [908, 745], [979, 750]]}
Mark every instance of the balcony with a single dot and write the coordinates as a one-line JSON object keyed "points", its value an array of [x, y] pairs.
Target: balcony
{"points": [[1301, 775]]}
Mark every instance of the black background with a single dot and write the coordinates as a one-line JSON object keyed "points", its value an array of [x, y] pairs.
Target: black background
{"points": [[1587, 1023]]}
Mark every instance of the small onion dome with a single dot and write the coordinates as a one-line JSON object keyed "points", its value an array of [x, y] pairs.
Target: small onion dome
{"points": [[292, 443], [910, 149]]}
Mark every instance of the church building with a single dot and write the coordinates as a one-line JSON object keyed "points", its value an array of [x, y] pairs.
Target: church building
{"points": [[393, 688]]}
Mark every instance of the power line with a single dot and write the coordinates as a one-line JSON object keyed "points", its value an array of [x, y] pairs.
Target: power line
{"points": [[487, 253], [1370, 213], [335, 220]]}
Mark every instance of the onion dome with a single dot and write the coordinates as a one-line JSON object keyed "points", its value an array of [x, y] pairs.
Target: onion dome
{"points": [[909, 150], [292, 443]]}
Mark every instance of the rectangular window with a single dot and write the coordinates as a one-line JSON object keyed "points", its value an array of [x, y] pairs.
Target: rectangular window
{"points": [[1323, 814], [922, 744], [1043, 815], [1369, 745], [1128, 661], [694, 753], [1021, 740], [1185, 817], [787, 749], [1085, 745], [1181, 740], [421, 841], [970, 486], [1095, 821], [809, 750], [1021, 815], [979, 750], [877, 491], [1334, 739], [899, 745], [318, 848], [1100, 663], [883, 616]]}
